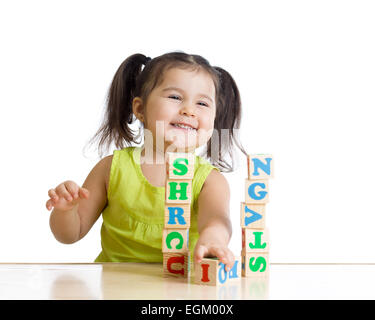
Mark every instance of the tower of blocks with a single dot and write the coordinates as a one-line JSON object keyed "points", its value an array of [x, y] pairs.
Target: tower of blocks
{"points": [[178, 193], [255, 236]]}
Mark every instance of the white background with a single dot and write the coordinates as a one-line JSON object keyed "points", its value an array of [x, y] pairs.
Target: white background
{"points": [[306, 73]]}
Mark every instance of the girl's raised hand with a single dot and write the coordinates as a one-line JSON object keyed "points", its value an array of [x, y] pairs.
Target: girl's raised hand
{"points": [[66, 195]]}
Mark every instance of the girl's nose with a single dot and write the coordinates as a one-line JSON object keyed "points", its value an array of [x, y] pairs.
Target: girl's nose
{"points": [[188, 109]]}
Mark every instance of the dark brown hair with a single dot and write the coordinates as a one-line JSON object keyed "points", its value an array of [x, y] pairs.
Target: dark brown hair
{"points": [[131, 81]]}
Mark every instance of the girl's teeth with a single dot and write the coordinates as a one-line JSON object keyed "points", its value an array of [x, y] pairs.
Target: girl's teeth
{"points": [[182, 126]]}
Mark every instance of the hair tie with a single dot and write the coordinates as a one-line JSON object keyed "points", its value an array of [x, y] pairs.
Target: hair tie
{"points": [[147, 59]]}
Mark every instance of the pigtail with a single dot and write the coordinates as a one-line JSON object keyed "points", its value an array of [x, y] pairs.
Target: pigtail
{"points": [[227, 121], [119, 112]]}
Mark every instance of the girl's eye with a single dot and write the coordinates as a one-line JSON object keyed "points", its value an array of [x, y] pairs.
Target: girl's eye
{"points": [[173, 97], [204, 104], [178, 98]]}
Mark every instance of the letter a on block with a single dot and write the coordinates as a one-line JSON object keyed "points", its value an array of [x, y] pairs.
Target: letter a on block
{"points": [[181, 165], [260, 166], [253, 215]]}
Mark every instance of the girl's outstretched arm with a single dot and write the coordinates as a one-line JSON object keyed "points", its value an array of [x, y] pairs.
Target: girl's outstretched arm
{"points": [[76, 209], [214, 224]]}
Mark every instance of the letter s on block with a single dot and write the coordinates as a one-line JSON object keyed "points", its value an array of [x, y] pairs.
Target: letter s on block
{"points": [[256, 263]]}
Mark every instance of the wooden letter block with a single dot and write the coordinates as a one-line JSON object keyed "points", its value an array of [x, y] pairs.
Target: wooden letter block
{"points": [[177, 216], [178, 191], [260, 166], [175, 240], [212, 272], [254, 264], [255, 240], [253, 215], [180, 165], [176, 264], [256, 192]]}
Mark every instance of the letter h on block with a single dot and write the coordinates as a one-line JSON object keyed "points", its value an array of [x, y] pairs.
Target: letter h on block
{"points": [[212, 272]]}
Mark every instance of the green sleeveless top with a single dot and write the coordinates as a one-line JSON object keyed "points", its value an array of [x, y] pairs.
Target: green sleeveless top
{"points": [[133, 220]]}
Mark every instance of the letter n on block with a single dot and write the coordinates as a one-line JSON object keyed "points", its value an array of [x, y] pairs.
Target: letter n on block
{"points": [[253, 215], [256, 192], [212, 272], [177, 216], [180, 165], [254, 264], [175, 240], [260, 166], [178, 191], [176, 264]]}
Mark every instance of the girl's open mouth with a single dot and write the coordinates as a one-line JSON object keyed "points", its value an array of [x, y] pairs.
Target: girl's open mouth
{"points": [[183, 127]]}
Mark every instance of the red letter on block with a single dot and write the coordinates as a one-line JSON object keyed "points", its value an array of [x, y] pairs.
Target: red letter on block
{"points": [[205, 272], [172, 260]]}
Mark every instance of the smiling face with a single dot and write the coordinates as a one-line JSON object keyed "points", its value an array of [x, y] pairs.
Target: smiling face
{"points": [[180, 111]]}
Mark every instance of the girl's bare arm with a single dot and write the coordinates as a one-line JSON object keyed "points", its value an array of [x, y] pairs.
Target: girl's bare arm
{"points": [[77, 208], [214, 225]]}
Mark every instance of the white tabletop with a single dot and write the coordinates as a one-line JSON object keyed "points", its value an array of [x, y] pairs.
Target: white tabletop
{"points": [[145, 281]]}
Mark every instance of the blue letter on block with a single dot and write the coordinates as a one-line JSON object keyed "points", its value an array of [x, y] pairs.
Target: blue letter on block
{"points": [[233, 271], [261, 194], [222, 273], [255, 216], [266, 167], [176, 212]]}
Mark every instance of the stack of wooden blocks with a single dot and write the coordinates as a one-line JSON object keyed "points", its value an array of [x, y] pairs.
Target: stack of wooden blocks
{"points": [[178, 193], [255, 236]]}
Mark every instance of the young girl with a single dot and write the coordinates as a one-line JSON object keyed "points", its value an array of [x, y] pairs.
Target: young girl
{"points": [[180, 101]]}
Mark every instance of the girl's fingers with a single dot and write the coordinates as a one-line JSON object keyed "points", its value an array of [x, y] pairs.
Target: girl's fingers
{"points": [[224, 255], [230, 259], [199, 253], [72, 188], [220, 254], [62, 192], [52, 194], [83, 193], [49, 204]]}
